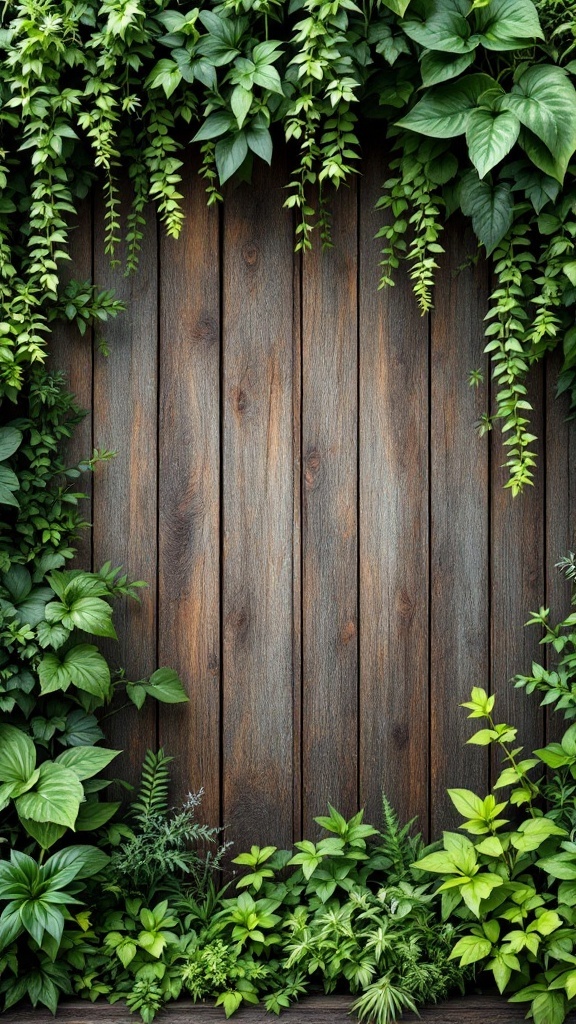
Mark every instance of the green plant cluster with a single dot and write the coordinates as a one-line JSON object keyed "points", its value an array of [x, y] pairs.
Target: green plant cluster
{"points": [[473, 98], [512, 874]]}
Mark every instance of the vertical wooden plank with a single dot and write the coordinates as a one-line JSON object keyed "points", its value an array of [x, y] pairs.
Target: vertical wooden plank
{"points": [[125, 420], [393, 412], [189, 495], [297, 549], [258, 493], [560, 471], [72, 353], [459, 544], [329, 527], [517, 584], [560, 476]]}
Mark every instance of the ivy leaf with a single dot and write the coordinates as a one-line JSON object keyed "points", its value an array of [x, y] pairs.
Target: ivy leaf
{"points": [[444, 111], [446, 29], [489, 206], [508, 24], [490, 137], [241, 101], [259, 139], [230, 154], [56, 797], [438, 67], [544, 101], [82, 666], [165, 686], [470, 949], [81, 730], [17, 755], [86, 761]]}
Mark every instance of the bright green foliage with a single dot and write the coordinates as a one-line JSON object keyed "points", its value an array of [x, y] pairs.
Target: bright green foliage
{"points": [[514, 880]]}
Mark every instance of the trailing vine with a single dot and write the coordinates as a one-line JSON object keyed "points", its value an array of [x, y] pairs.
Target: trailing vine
{"points": [[477, 105]]}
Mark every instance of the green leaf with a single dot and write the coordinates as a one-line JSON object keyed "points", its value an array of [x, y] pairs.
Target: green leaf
{"points": [[444, 110], [259, 139], [82, 666], [490, 137], [55, 799], [165, 685], [81, 729], [544, 101], [398, 7], [9, 483], [94, 815], [489, 206], [466, 802], [86, 762], [561, 865], [215, 125], [437, 67], [535, 831], [470, 949], [241, 101], [45, 833], [10, 441], [230, 154], [91, 614], [508, 24], [446, 29], [17, 755]]}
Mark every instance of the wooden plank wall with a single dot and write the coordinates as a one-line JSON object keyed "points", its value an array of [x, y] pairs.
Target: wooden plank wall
{"points": [[332, 560]]}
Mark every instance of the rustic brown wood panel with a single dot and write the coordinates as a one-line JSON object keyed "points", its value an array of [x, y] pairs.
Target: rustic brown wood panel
{"points": [[393, 554], [459, 622], [560, 525], [329, 525], [189, 495], [71, 353], [517, 584], [482, 1008], [258, 492], [125, 420]]}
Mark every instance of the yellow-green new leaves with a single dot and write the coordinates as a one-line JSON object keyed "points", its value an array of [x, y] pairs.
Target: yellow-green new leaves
{"points": [[459, 861], [481, 815]]}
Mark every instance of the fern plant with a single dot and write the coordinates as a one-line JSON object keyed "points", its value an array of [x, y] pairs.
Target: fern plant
{"points": [[159, 856]]}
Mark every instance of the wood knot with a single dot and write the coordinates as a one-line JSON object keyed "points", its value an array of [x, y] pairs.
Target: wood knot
{"points": [[400, 735], [250, 254], [238, 621], [213, 663], [313, 459], [205, 330], [404, 604], [347, 633], [239, 399]]}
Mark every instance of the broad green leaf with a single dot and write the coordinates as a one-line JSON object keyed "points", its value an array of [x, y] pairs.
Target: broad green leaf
{"points": [[544, 101], [259, 139], [508, 24], [534, 832], [165, 686], [86, 761], [491, 846], [470, 949], [241, 101], [489, 206], [437, 67], [81, 729], [490, 137], [45, 833], [230, 154], [18, 583], [398, 7], [444, 29], [445, 109], [440, 862], [215, 125], [88, 670], [549, 1008], [56, 797], [91, 614], [466, 802], [93, 815], [554, 755], [17, 755], [561, 865], [10, 928], [568, 741], [10, 441], [83, 861], [9, 484]]}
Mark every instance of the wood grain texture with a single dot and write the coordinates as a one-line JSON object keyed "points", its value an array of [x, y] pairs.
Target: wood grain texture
{"points": [[125, 527], [459, 547], [189, 496], [393, 445], [258, 494], [329, 524], [471, 1009], [560, 525], [517, 584], [71, 353]]}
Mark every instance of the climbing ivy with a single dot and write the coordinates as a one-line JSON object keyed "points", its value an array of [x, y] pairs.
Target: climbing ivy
{"points": [[474, 99]]}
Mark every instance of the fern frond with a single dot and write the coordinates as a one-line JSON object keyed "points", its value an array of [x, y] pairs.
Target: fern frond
{"points": [[152, 796], [398, 844]]}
